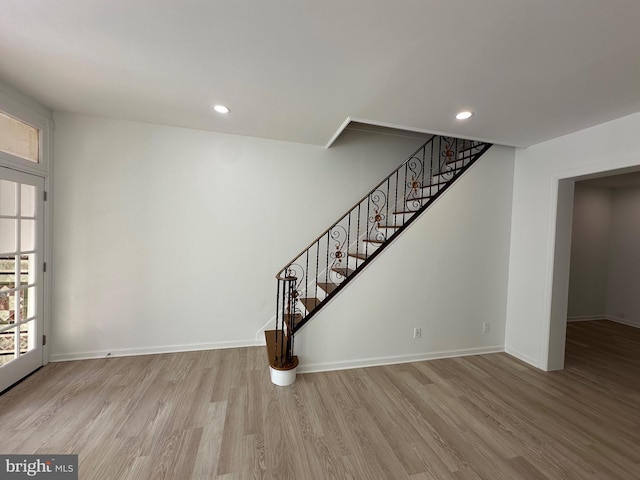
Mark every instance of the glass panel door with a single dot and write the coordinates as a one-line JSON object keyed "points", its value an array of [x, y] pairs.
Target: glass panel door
{"points": [[21, 275]]}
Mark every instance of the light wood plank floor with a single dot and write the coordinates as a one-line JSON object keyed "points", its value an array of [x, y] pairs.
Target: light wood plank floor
{"points": [[215, 415]]}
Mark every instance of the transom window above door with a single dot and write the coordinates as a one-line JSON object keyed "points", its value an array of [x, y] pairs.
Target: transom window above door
{"points": [[19, 138]]}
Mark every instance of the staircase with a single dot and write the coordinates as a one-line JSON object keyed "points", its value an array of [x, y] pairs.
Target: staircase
{"points": [[327, 265]]}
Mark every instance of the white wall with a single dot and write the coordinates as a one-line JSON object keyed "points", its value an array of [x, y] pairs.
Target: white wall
{"points": [[169, 239], [537, 306], [622, 299], [605, 254], [590, 245], [447, 274]]}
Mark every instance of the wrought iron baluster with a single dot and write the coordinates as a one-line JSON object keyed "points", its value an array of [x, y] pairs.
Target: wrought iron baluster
{"points": [[358, 231], [290, 349], [395, 208], [349, 240], [317, 262], [306, 277], [279, 314], [366, 249], [431, 168], [326, 269], [280, 331], [288, 335], [379, 200], [386, 223], [406, 172], [338, 254], [424, 167]]}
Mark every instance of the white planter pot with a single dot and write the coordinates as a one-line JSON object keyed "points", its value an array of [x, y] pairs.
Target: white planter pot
{"points": [[283, 378]]}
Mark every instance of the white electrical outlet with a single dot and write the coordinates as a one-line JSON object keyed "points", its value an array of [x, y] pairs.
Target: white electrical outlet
{"points": [[486, 326], [417, 332]]}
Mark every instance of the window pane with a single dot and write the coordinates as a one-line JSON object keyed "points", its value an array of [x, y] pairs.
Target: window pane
{"points": [[8, 198], [23, 337], [7, 273], [7, 307], [7, 346], [28, 301], [27, 234], [27, 201], [18, 138], [9, 314], [28, 269], [7, 235]]}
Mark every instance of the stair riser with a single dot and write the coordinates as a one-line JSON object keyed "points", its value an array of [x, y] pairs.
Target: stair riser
{"points": [[352, 264], [337, 277], [318, 292], [302, 309], [369, 246]]}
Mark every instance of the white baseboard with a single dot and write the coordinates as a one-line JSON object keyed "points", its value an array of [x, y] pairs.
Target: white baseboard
{"points": [[379, 361], [309, 368], [129, 352], [585, 318], [525, 358], [611, 318], [623, 321]]}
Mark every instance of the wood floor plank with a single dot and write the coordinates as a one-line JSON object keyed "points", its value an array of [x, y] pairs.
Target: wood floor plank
{"points": [[402, 434], [231, 449], [216, 415], [208, 451]]}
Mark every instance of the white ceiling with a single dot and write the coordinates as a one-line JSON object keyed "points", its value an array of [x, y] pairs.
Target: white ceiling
{"points": [[295, 70]]}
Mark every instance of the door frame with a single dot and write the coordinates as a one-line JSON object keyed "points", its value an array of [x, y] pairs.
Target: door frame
{"points": [[19, 368], [16, 104]]}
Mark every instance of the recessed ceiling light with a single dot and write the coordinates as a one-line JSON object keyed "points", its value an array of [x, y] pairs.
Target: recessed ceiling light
{"points": [[464, 115], [221, 109]]}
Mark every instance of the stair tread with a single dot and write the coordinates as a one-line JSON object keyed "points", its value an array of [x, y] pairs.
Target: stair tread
{"points": [[271, 337], [389, 226], [328, 287], [345, 272], [378, 242], [310, 302], [360, 255]]}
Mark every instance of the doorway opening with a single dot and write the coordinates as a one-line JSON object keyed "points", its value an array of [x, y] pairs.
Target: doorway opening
{"points": [[592, 276]]}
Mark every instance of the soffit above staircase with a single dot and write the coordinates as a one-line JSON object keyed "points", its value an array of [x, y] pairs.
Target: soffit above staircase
{"points": [[354, 125], [294, 71]]}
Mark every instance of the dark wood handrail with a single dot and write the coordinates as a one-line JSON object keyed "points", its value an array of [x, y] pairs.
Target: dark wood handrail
{"points": [[355, 205]]}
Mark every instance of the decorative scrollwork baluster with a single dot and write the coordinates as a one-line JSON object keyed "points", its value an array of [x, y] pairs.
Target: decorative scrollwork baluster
{"points": [[447, 157], [293, 301], [415, 167], [338, 252], [378, 201]]}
